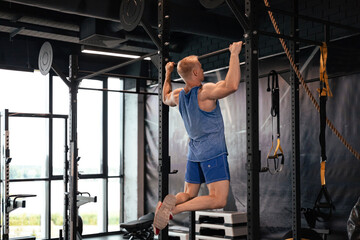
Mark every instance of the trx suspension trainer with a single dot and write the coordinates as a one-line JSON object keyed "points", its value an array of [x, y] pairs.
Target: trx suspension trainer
{"points": [[322, 210], [275, 112]]}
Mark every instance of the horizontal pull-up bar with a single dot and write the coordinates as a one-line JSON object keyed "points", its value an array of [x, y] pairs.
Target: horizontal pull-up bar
{"points": [[117, 66], [119, 91], [215, 52], [206, 55]]}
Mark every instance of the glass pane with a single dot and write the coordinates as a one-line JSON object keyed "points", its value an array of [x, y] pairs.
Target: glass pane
{"points": [[24, 91], [115, 124], [28, 147], [58, 146], [57, 207], [92, 213], [115, 83], [90, 130], [91, 84], [114, 204], [31, 220], [60, 97]]}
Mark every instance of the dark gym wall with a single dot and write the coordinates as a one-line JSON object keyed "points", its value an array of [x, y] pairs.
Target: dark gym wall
{"points": [[343, 12], [275, 190]]}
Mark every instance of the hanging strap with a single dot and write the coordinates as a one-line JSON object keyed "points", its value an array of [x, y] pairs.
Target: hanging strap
{"points": [[324, 89], [275, 101], [323, 205], [277, 157]]}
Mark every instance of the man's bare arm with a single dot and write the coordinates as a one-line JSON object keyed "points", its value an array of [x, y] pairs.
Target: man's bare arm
{"points": [[169, 97], [231, 83]]}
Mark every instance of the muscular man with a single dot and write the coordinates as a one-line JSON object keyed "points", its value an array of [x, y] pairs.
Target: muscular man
{"points": [[207, 153]]}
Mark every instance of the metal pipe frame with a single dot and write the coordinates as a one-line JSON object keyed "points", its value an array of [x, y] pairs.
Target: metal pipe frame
{"points": [[148, 29], [50, 156], [5, 171], [37, 115], [65, 230], [295, 128], [164, 160], [73, 165], [105, 138], [122, 149], [252, 121], [243, 21], [58, 71]]}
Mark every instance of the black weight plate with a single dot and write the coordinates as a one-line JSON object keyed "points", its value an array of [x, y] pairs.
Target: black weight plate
{"points": [[131, 12], [210, 4], [45, 58]]}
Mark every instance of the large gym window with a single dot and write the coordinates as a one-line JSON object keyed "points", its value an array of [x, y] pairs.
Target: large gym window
{"points": [[115, 121], [58, 146], [57, 207], [92, 213], [29, 147], [38, 151], [24, 91], [89, 128], [30, 221], [115, 152], [114, 204], [60, 96]]}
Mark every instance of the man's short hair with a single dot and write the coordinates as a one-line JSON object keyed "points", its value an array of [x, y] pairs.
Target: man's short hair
{"points": [[186, 65]]}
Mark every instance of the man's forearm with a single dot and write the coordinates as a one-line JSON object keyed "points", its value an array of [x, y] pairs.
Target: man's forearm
{"points": [[167, 86], [233, 76]]}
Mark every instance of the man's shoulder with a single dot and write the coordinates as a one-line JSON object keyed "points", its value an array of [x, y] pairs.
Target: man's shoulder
{"points": [[178, 90], [206, 88], [208, 85]]}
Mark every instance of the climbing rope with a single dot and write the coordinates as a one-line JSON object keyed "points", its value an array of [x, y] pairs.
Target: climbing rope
{"points": [[307, 90]]}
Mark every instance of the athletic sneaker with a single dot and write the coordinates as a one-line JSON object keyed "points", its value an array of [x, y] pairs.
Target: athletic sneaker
{"points": [[163, 212]]}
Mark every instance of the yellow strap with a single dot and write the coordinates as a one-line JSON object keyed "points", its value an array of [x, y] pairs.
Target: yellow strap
{"points": [[323, 74], [325, 92], [278, 147], [322, 173]]}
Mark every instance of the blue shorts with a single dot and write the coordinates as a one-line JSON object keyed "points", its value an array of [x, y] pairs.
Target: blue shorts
{"points": [[213, 170]]}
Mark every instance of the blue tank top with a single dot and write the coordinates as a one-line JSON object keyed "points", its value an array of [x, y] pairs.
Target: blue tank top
{"points": [[205, 129]]}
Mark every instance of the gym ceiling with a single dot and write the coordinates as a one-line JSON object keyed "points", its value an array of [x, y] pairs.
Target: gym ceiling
{"points": [[72, 25]]}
